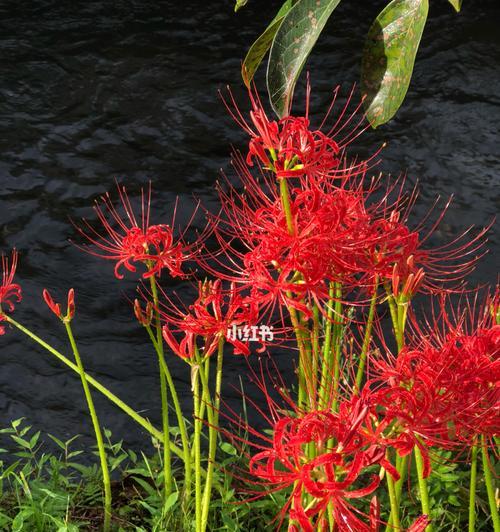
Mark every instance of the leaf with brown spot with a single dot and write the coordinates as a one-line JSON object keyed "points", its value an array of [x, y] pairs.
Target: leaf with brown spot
{"points": [[389, 56], [259, 48], [291, 46]]}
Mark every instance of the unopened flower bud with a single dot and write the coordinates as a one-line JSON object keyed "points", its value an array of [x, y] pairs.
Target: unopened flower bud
{"points": [[71, 305], [144, 318], [54, 307]]}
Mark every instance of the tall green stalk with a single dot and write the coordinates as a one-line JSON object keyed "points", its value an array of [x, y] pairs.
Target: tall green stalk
{"points": [[97, 429], [166, 375], [212, 437], [197, 420], [167, 458], [393, 502], [327, 342], [422, 486], [472, 488], [367, 336], [490, 487], [338, 332], [398, 317]]}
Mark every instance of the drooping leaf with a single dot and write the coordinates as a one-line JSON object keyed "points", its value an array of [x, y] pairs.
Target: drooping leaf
{"points": [[239, 4], [457, 4], [259, 48], [291, 46], [389, 56]]}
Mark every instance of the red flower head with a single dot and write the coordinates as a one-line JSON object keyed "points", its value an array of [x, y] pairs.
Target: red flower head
{"points": [[399, 256], [291, 267], [128, 239], [341, 455], [289, 147], [214, 316], [444, 385], [9, 291]]}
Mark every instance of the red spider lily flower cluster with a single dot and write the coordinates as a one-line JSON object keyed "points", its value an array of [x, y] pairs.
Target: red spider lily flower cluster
{"points": [[211, 318], [10, 292], [329, 458], [339, 233], [288, 147], [56, 307], [329, 228], [341, 457], [448, 377], [129, 239]]}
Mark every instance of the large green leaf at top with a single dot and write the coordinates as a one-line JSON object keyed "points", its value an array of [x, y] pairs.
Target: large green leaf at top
{"points": [[260, 47], [457, 4], [389, 56], [291, 46]]}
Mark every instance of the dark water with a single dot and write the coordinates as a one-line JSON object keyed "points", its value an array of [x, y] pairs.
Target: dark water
{"points": [[93, 91]]}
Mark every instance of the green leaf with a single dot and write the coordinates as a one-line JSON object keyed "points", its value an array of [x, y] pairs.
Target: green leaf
{"points": [[457, 4], [239, 4], [34, 439], [259, 48], [228, 449], [57, 441], [170, 501], [292, 44], [17, 422], [389, 56], [21, 442]]}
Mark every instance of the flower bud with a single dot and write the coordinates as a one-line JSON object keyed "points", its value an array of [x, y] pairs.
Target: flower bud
{"points": [[54, 307], [144, 318]]}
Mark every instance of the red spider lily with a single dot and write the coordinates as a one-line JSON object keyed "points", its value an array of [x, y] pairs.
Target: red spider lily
{"points": [[289, 147], [443, 386], [403, 261], [328, 242], [56, 307], [129, 239], [322, 455], [212, 317], [339, 460], [9, 291]]}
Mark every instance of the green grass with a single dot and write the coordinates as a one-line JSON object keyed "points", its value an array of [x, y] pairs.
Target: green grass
{"points": [[59, 491]]}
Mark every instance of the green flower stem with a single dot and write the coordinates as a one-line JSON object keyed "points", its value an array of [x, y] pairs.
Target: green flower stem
{"points": [[326, 367], [402, 467], [304, 360], [185, 453], [195, 386], [394, 318], [398, 318], [97, 429], [285, 200], [315, 354], [367, 337], [490, 488], [143, 422], [205, 374], [212, 437], [167, 458], [472, 488], [337, 343], [394, 517], [422, 486], [206, 400]]}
